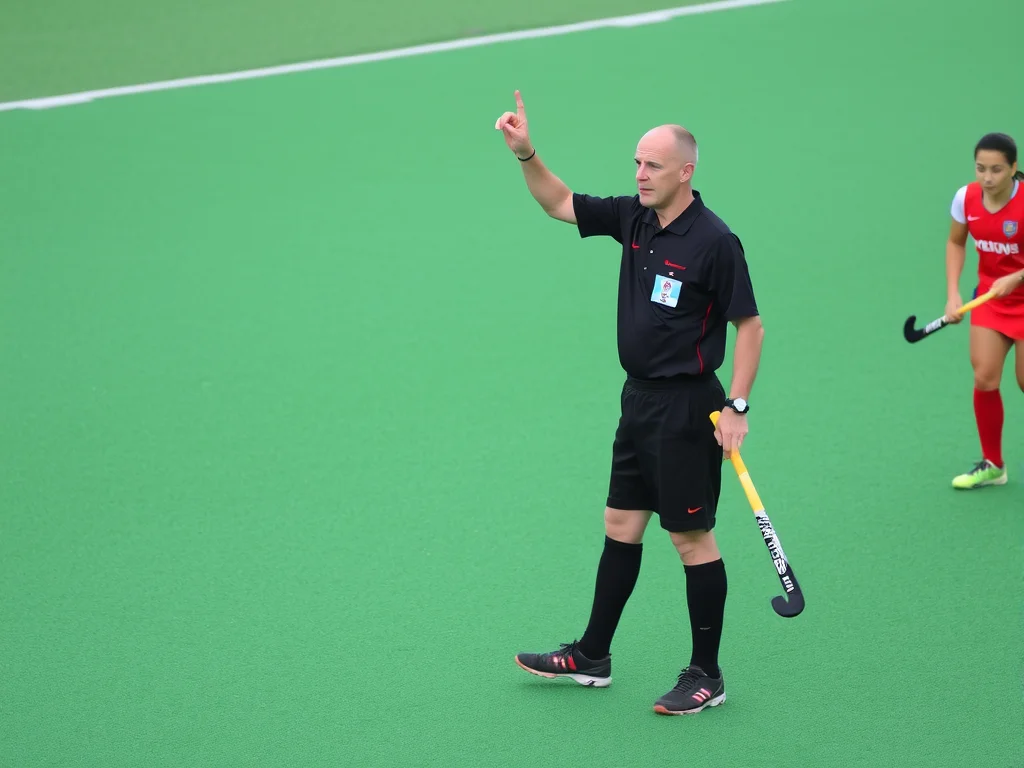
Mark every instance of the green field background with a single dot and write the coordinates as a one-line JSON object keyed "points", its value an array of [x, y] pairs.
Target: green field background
{"points": [[307, 408]]}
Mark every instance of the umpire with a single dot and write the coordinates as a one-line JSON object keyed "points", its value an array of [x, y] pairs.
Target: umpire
{"points": [[683, 278]]}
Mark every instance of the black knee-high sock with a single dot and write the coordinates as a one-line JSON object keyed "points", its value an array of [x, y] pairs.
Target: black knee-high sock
{"points": [[706, 587], [617, 574]]}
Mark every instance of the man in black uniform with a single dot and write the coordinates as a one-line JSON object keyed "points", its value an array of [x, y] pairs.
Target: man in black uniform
{"points": [[683, 278]]}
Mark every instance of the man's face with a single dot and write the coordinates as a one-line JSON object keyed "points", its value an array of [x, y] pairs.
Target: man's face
{"points": [[660, 169]]}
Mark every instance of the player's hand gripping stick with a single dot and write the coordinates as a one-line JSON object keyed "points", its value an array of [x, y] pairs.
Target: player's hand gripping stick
{"points": [[914, 335]]}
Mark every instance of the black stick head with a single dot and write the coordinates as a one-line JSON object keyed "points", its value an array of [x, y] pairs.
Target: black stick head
{"points": [[910, 333], [789, 608]]}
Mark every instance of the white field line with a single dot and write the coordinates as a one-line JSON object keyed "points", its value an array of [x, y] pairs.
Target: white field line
{"points": [[636, 20]]}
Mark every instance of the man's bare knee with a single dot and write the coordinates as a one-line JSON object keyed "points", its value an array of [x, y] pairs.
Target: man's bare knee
{"points": [[696, 547], [626, 525]]}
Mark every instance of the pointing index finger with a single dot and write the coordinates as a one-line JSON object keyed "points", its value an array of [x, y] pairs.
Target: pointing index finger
{"points": [[519, 104]]}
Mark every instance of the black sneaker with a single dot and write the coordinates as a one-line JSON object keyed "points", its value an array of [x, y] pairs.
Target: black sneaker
{"points": [[568, 662], [694, 691]]}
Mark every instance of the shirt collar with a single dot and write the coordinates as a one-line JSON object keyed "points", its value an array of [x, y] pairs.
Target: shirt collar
{"points": [[680, 224]]}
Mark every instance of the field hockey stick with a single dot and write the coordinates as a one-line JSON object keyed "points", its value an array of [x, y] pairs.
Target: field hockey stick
{"points": [[795, 604], [914, 335]]}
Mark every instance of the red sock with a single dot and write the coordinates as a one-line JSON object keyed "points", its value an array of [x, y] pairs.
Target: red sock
{"points": [[988, 411]]}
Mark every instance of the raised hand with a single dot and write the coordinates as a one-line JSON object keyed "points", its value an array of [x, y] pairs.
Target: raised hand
{"points": [[514, 128]]}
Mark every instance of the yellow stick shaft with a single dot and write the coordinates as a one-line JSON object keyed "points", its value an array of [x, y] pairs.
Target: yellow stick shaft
{"points": [[974, 303], [742, 473]]}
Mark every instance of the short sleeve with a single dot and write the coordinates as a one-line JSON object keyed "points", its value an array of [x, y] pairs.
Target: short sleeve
{"points": [[957, 209], [606, 216], [730, 282]]}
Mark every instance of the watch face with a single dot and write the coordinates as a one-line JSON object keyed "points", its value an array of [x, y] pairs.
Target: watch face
{"points": [[740, 404]]}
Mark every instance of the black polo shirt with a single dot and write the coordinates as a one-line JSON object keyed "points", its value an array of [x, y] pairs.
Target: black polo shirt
{"points": [[679, 286]]}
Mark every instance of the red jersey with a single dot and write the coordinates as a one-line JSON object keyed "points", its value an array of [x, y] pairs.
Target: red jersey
{"points": [[998, 237]]}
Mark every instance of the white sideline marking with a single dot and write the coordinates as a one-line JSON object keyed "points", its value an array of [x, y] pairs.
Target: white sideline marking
{"points": [[636, 20]]}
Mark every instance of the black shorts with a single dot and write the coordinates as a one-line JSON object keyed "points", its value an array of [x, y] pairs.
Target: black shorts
{"points": [[665, 458]]}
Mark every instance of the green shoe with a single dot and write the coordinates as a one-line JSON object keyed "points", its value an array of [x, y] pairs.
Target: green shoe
{"points": [[984, 473]]}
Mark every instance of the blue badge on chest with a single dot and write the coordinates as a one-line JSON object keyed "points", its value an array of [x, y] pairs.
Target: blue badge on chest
{"points": [[1009, 228], [666, 291]]}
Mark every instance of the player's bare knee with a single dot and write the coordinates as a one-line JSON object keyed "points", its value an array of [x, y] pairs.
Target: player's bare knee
{"points": [[695, 547], [625, 525], [986, 378]]}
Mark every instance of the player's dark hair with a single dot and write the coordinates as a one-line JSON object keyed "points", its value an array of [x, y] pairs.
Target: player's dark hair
{"points": [[1000, 142]]}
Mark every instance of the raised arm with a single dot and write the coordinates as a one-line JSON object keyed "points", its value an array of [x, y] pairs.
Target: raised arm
{"points": [[547, 189]]}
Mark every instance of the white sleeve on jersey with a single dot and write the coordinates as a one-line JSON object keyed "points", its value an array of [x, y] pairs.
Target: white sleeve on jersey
{"points": [[957, 209]]}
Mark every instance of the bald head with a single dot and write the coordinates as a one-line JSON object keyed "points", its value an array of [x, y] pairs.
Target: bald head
{"points": [[671, 141], [666, 158], [676, 139], [686, 143]]}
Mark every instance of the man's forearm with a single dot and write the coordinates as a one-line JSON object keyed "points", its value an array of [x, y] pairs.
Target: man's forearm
{"points": [[746, 357], [546, 188]]}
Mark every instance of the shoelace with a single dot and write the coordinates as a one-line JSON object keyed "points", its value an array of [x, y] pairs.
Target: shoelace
{"points": [[566, 649], [687, 679]]}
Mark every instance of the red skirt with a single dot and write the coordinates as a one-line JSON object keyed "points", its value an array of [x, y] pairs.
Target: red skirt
{"points": [[1007, 320]]}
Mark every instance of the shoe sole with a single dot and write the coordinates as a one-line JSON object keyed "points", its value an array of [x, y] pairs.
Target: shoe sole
{"points": [[1002, 480], [661, 710], [588, 681]]}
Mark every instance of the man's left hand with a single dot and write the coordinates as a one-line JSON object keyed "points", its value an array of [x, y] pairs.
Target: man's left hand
{"points": [[732, 428]]}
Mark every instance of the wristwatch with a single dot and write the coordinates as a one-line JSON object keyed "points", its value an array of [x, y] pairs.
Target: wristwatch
{"points": [[739, 404]]}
